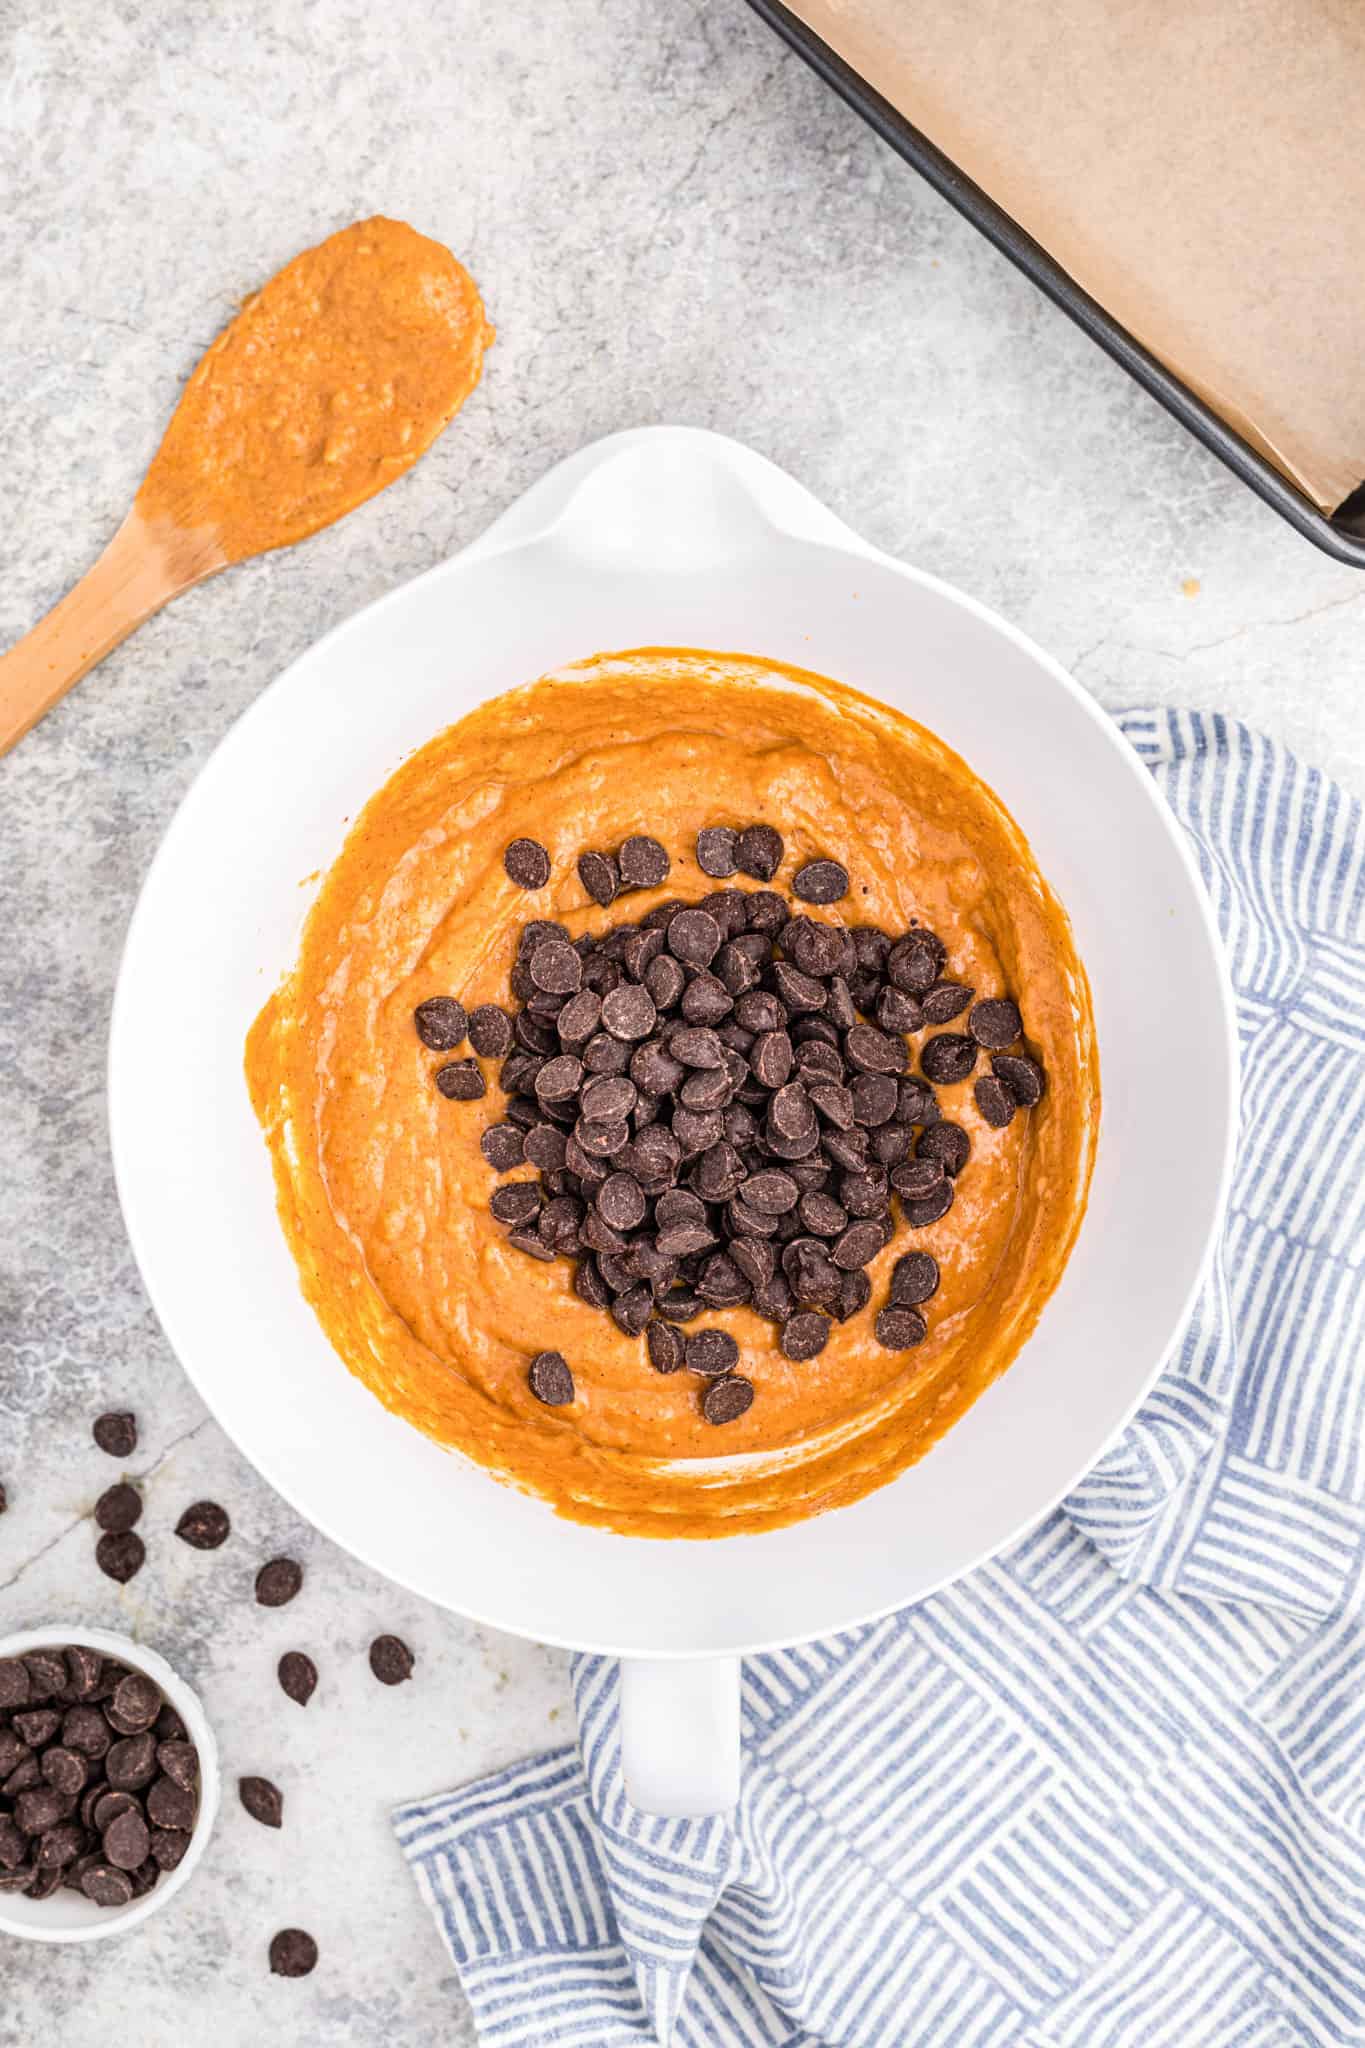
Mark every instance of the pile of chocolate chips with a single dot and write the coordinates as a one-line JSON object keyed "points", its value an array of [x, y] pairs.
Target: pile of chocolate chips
{"points": [[719, 1104], [99, 1783]]}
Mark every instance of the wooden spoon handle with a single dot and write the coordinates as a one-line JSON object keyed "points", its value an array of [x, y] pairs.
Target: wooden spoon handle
{"points": [[138, 572]]}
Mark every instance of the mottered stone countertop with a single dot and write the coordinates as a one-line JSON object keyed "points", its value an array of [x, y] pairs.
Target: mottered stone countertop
{"points": [[670, 220]]}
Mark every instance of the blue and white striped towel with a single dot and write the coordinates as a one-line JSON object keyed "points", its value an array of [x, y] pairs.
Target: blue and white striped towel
{"points": [[1124, 1802]]}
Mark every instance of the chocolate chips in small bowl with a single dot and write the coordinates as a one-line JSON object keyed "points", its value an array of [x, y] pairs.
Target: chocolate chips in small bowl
{"points": [[109, 1785]]}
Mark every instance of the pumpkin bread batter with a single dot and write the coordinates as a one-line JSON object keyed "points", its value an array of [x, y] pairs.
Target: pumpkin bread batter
{"points": [[383, 1189]]}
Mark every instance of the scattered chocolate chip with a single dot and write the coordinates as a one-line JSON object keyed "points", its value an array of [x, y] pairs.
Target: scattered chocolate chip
{"points": [[821, 881], [293, 1953], [490, 1032], [711, 1352], [927, 1209], [948, 1143], [725, 1400], [119, 1557], [298, 1676], [900, 1328], [995, 1024], [944, 1001], [116, 1433], [694, 937], [550, 1379], [916, 1178], [995, 1101], [461, 1081], [948, 1058], [516, 1203], [263, 1800], [665, 1347], [278, 1581], [643, 863], [857, 1245], [107, 1886], [204, 1525], [118, 1507], [804, 1335], [1022, 1076], [391, 1660], [718, 851], [556, 969], [527, 864], [915, 962], [759, 852], [441, 1023], [600, 876]]}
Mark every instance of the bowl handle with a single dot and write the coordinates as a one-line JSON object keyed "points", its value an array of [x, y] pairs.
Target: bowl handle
{"points": [[680, 1734]]}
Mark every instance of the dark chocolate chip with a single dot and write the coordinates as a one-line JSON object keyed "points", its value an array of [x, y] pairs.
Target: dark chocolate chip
{"points": [[278, 1581], [490, 1032], [118, 1507], [35, 1726], [66, 1770], [665, 1347], [441, 1023], [85, 1728], [263, 1800], [694, 937], [916, 1178], [718, 851], [995, 1101], [119, 1557], [1022, 1076], [126, 1842], [292, 1953], [875, 1098], [948, 1058], [804, 1335], [798, 991], [725, 1400], [131, 1762], [461, 1081], [915, 962], [527, 864], [204, 1525], [896, 1011], [526, 1240], [556, 969], [503, 1146], [391, 1660], [857, 1245], [900, 1328], [711, 1352], [914, 1278], [821, 881], [621, 1201], [641, 950], [629, 1012], [643, 863], [855, 1292], [705, 1000], [927, 1209], [168, 1847], [298, 1676], [116, 1433], [107, 1886], [759, 852], [948, 1143], [579, 1018], [550, 1379], [135, 1704], [560, 1078], [179, 1760], [772, 1192], [873, 1051], [600, 876], [84, 1667], [995, 1024], [944, 1001]]}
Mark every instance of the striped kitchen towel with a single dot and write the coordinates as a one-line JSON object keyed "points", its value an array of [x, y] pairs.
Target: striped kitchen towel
{"points": [[1109, 1790]]}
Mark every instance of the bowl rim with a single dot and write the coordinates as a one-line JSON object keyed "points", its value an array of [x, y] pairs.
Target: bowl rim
{"points": [[140, 1657], [798, 515]]}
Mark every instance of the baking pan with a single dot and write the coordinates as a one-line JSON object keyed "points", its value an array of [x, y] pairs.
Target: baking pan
{"points": [[1341, 536]]}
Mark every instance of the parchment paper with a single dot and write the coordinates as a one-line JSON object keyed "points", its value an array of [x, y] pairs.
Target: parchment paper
{"points": [[1198, 167]]}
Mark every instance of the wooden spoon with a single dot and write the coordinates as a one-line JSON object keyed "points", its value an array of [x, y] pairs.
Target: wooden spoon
{"points": [[329, 384]]}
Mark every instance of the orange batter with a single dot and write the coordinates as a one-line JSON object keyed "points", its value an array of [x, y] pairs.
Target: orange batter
{"points": [[332, 381], [383, 1190]]}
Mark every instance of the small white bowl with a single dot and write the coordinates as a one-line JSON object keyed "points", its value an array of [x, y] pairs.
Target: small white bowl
{"points": [[68, 1915]]}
